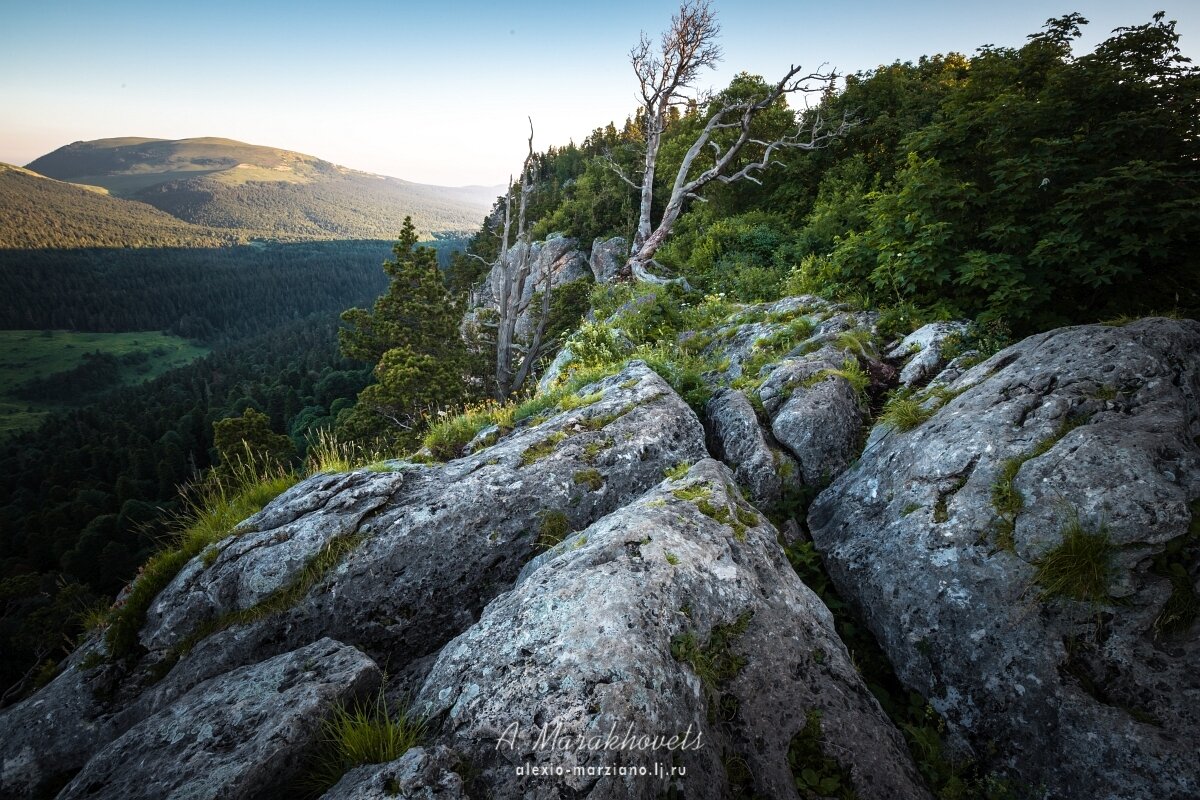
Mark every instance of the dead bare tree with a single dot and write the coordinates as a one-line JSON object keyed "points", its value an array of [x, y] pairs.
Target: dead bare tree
{"points": [[666, 75], [513, 268]]}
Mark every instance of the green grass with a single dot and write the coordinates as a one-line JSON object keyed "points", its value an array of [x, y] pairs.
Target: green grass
{"points": [[590, 478], [905, 413], [677, 472], [360, 733], [211, 515], [553, 529], [544, 448], [33, 355], [1006, 498], [715, 663], [1080, 567]]}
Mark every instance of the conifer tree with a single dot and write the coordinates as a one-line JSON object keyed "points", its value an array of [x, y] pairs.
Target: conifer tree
{"points": [[411, 335]]}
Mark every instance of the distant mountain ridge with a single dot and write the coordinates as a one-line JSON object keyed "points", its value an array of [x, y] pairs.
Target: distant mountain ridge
{"points": [[257, 191], [37, 212]]}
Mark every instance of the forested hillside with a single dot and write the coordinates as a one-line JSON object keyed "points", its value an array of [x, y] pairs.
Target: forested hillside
{"points": [[211, 294], [37, 212], [264, 192]]}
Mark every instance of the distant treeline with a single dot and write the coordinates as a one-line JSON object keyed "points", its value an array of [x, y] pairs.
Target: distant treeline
{"points": [[210, 294]]}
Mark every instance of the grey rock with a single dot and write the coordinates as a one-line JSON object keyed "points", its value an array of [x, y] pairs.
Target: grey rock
{"points": [[816, 415], [550, 377], [48, 737], [736, 438], [583, 647], [420, 774], [1085, 699], [272, 548], [242, 735], [438, 542], [923, 349], [608, 256]]}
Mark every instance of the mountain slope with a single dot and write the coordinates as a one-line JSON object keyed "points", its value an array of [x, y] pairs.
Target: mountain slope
{"points": [[38, 212], [271, 192]]}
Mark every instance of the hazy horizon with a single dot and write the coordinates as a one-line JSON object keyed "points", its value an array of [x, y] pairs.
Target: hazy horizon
{"points": [[437, 95]]}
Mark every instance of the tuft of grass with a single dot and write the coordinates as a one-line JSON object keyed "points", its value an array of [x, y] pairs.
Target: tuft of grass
{"points": [[356, 734], [538, 451], [693, 492], [592, 450], [677, 472], [904, 413], [1080, 567], [858, 341], [569, 402], [590, 478], [212, 509], [446, 439], [553, 529], [672, 559]]}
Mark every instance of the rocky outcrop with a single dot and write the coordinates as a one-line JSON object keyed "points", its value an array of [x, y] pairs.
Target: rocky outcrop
{"points": [[1073, 455], [244, 734], [676, 617], [923, 349], [423, 773], [737, 438], [608, 256], [401, 561]]}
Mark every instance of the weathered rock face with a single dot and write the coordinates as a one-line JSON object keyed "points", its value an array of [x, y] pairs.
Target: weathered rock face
{"points": [[1087, 698], [924, 345], [671, 617], [736, 437], [420, 774], [815, 414], [421, 551], [241, 735], [608, 256]]}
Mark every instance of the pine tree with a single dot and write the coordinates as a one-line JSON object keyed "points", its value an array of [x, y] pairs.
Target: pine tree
{"points": [[412, 337]]}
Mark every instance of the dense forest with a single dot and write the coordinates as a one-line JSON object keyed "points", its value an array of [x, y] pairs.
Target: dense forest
{"points": [[1023, 188], [211, 294]]}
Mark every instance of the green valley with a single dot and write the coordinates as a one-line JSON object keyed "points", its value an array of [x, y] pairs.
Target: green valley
{"points": [[45, 371]]}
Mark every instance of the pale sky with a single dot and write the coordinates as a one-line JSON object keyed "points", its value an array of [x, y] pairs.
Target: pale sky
{"points": [[436, 92]]}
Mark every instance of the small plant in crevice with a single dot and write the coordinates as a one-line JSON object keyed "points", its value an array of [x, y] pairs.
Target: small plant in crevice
{"points": [[1007, 500], [715, 663], [590, 478], [553, 528], [356, 734], [1175, 563], [1080, 567], [816, 774]]}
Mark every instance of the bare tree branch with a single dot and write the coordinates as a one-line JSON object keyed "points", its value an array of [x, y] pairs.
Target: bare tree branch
{"points": [[664, 76]]}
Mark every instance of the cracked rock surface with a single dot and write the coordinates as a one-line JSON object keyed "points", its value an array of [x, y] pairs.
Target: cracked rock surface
{"points": [[1087, 698]]}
